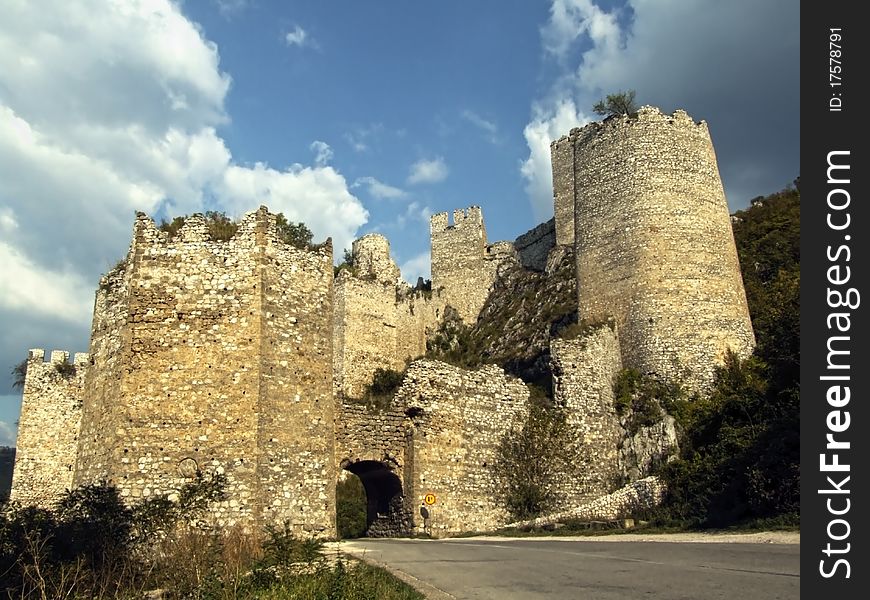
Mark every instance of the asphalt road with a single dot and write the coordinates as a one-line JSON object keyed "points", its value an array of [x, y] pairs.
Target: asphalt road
{"points": [[532, 569]]}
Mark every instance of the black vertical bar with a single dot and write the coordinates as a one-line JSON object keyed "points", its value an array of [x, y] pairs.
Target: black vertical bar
{"points": [[834, 224]]}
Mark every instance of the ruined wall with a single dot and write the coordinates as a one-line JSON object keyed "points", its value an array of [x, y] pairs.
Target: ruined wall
{"points": [[463, 265], [366, 433], [365, 323], [48, 428], [458, 419], [533, 246], [371, 259], [627, 501], [584, 369], [562, 162], [296, 434], [216, 356], [380, 322], [654, 244]]}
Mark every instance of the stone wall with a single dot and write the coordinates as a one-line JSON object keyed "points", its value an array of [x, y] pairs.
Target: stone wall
{"points": [[365, 332], [584, 370], [366, 433], [533, 246], [458, 418], [372, 443], [216, 356], [635, 497], [371, 259], [48, 428], [380, 321], [654, 244]]}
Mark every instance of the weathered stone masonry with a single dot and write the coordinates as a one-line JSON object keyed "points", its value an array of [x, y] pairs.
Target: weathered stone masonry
{"points": [[239, 357], [653, 242], [216, 356], [50, 418]]}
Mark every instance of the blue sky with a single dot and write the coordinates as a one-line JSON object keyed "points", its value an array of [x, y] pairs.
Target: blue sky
{"points": [[351, 116]]}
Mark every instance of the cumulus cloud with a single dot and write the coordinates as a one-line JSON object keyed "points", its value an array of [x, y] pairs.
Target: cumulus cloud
{"points": [[25, 287], [549, 124], [298, 37], [323, 153], [571, 20], [7, 220], [428, 171], [416, 266], [704, 56], [317, 196], [85, 141], [379, 189]]}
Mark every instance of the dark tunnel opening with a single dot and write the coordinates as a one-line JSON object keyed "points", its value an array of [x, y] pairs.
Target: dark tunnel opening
{"points": [[385, 511]]}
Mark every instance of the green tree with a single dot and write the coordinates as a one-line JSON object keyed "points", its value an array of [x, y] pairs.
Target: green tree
{"points": [[740, 446], [620, 103], [350, 507], [532, 458], [295, 234], [19, 372]]}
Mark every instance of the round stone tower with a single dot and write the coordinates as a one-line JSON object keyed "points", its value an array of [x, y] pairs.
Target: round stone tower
{"points": [[371, 257], [654, 244]]}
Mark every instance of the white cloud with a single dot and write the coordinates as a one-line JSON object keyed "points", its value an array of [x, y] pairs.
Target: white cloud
{"points": [[108, 108], [489, 128], [323, 153], [27, 288], [571, 20], [378, 189], [428, 171], [546, 126], [317, 196], [8, 434], [297, 37], [416, 266], [360, 138], [701, 56]]}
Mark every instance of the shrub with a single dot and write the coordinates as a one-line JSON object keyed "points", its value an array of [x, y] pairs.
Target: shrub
{"points": [[295, 234], [531, 458], [643, 400], [19, 373], [350, 507]]}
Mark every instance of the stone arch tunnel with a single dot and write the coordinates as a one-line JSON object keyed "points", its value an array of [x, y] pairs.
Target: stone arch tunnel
{"points": [[386, 513]]}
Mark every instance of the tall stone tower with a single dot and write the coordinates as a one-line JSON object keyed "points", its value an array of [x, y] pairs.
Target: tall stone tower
{"points": [[653, 242], [48, 427], [464, 265], [216, 356]]}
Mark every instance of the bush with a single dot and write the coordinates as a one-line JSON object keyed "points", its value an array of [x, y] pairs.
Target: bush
{"points": [[350, 507], [531, 458], [642, 400], [295, 234]]}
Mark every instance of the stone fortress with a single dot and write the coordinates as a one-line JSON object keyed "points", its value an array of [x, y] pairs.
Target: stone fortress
{"points": [[244, 357]]}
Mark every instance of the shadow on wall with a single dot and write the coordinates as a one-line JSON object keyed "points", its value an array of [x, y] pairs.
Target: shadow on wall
{"points": [[7, 461]]}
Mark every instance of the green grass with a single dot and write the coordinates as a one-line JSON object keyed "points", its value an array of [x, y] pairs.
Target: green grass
{"points": [[344, 581]]}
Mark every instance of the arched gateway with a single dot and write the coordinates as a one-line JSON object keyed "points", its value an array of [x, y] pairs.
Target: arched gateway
{"points": [[386, 512]]}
